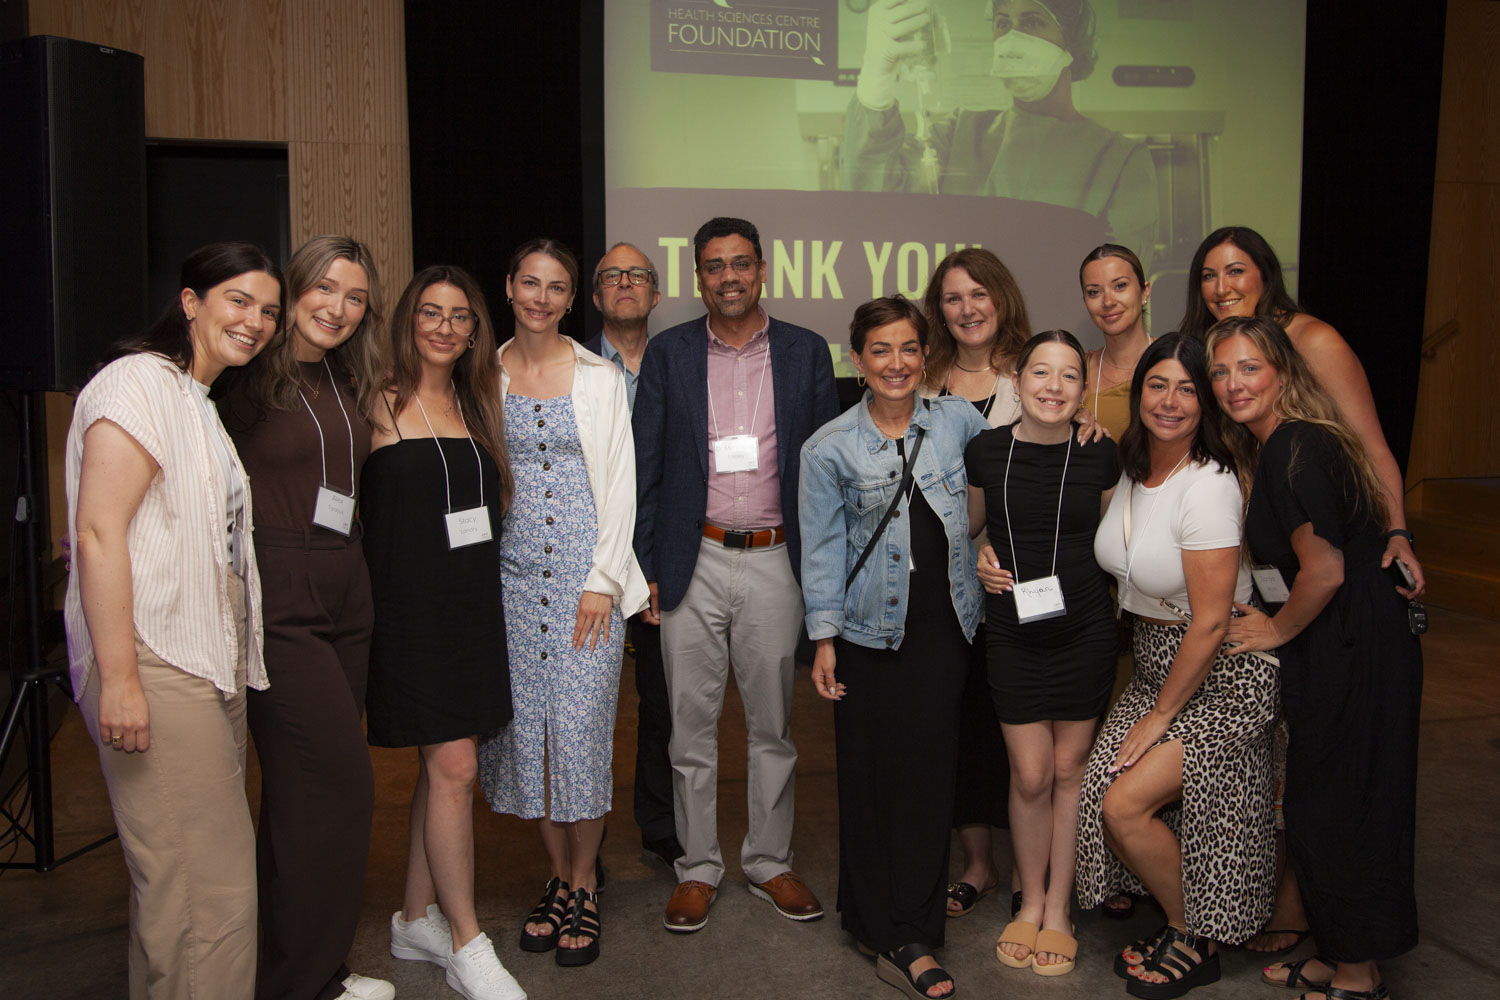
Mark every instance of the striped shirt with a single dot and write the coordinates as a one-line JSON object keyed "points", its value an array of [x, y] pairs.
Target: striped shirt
{"points": [[179, 549]]}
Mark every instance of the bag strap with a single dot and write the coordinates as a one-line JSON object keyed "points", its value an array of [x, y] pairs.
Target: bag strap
{"points": [[907, 471]]}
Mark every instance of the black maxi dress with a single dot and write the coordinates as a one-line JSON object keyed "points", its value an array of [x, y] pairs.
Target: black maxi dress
{"points": [[438, 665], [1351, 689], [895, 734]]}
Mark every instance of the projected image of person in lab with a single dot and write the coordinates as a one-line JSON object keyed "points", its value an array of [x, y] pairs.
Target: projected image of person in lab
{"points": [[1040, 148]]}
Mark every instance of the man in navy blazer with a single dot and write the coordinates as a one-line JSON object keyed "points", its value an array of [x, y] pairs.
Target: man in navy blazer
{"points": [[723, 405]]}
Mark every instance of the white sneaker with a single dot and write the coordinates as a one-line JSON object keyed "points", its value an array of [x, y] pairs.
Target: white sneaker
{"points": [[425, 939], [365, 988], [477, 974]]}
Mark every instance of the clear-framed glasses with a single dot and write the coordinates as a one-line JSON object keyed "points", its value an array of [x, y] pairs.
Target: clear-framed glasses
{"points": [[611, 276], [741, 265], [429, 320]]}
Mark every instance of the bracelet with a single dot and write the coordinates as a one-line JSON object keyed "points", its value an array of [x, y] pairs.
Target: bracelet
{"points": [[1410, 540]]}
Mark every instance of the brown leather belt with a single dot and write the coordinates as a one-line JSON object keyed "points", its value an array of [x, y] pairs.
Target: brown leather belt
{"points": [[745, 539]]}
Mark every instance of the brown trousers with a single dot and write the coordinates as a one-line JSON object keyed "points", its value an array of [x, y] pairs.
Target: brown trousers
{"points": [[185, 831]]}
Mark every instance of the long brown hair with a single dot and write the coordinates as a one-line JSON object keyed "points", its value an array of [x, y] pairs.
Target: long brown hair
{"points": [[476, 375], [360, 360], [1301, 398], [1275, 301], [1010, 313]]}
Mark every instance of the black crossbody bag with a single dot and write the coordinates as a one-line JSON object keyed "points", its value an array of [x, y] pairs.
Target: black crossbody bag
{"points": [[907, 470]]}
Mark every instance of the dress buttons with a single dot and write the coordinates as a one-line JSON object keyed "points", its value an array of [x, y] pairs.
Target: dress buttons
{"points": [[549, 519], [544, 626], [547, 494], [537, 408], [547, 549], [544, 654], [542, 446], [541, 423], [546, 466], [544, 602], [546, 574]]}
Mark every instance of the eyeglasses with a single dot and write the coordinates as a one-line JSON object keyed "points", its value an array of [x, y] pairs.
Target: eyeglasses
{"points": [[430, 320], [610, 276], [741, 265]]}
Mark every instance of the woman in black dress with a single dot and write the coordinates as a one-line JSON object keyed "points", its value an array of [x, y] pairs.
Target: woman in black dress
{"points": [[899, 645], [1351, 671], [435, 488], [1051, 645]]}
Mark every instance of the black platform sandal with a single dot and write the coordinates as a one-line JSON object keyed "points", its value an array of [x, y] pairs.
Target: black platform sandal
{"points": [[1183, 972], [1145, 948], [581, 924], [894, 967], [548, 911]]}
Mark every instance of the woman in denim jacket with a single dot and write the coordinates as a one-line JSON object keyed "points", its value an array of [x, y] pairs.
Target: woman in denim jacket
{"points": [[897, 694]]}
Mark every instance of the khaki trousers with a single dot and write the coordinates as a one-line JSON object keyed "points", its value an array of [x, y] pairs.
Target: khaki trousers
{"points": [[186, 833]]}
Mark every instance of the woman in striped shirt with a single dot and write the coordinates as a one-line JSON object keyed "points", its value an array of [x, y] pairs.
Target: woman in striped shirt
{"points": [[164, 624]]}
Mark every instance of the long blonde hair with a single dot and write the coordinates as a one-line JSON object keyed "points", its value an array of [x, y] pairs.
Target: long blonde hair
{"points": [[1301, 398], [476, 375], [360, 360]]}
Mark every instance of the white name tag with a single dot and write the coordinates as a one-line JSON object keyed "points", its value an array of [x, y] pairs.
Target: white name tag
{"points": [[1039, 599], [737, 453], [1269, 582], [468, 527], [334, 510]]}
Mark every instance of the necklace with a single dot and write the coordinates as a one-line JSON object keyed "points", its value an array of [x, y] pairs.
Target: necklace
{"points": [[972, 371], [318, 385], [448, 401]]}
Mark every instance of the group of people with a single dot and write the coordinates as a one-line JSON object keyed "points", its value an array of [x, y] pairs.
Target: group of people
{"points": [[701, 490]]}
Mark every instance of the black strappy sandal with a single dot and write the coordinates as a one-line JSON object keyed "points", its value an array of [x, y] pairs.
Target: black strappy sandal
{"points": [[548, 911], [1296, 979], [581, 924], [1172, 960], [894, 967], [1145, 948], [1339, 993]]}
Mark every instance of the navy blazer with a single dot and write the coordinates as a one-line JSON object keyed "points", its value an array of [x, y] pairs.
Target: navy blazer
{"points": [[671, 442]]}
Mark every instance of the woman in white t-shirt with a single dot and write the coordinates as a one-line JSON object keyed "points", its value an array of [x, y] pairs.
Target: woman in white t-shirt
{"points": [[1177, 791]]}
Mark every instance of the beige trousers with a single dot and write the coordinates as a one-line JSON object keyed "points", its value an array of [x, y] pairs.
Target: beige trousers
{"points": [[186, 833]]}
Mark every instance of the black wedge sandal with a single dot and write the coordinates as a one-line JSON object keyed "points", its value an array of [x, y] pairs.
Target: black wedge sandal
{"points": [[1145, 948], [894, 967], [548, 911], [1172, 959], [581, 924]]}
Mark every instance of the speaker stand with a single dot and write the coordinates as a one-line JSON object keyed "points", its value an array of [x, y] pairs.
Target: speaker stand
{"points": [[29, 682]]}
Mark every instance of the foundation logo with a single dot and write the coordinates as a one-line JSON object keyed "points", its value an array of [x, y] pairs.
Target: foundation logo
{"points": [[797, 39]]}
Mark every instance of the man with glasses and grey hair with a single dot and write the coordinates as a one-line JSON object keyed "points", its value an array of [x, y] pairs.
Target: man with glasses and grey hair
{"points": [[725, 402], [625, 292]]}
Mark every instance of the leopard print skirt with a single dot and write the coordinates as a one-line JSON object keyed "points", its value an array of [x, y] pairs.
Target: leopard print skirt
{"points": [[1224, 819]]}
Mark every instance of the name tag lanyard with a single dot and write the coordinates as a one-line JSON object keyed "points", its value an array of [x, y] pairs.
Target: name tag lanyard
{"points": [[994, 395], [733, 451], [1125, 523], [333, 510], [471, 525], [1040, 598]]}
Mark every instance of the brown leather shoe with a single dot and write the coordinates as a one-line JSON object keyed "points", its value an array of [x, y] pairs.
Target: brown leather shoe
{"points": [[790, 895], [687, 910]]}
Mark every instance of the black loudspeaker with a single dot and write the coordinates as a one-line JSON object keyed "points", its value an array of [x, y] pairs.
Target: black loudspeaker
{"points": [[73, 207]]}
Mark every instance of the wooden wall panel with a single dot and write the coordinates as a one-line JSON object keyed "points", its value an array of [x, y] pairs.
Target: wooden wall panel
{"points": [[1457, 427], [213, 70], [118, 24], [359, 189], [346, 71]]}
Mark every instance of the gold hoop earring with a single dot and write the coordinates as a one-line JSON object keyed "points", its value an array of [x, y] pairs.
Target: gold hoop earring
{"points": [[471, 343], [859, 379]]}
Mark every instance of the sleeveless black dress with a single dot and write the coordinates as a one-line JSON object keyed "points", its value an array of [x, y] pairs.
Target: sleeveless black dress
{"points": [[438, 664]]}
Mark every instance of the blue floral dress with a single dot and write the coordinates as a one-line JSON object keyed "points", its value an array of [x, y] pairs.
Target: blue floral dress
{"points": [[561, 736]]}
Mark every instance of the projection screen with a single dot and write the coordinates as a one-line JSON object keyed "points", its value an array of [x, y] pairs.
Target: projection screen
{"points": [[1189, 118]]}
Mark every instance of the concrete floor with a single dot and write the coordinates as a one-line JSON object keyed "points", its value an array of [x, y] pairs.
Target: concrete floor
{"points": [[62, 933]]}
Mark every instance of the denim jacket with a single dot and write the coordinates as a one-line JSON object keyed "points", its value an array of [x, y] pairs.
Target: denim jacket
{"points": [[850, 472]]}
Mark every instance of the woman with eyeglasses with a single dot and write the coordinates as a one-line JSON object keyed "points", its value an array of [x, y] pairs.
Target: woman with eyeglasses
{"points": [[570, 579], [434, 491]]}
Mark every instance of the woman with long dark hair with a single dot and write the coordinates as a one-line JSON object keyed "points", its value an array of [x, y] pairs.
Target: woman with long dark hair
{"points": [[164, 621], [435, 490], [1177, 791], [1351, 667]]}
